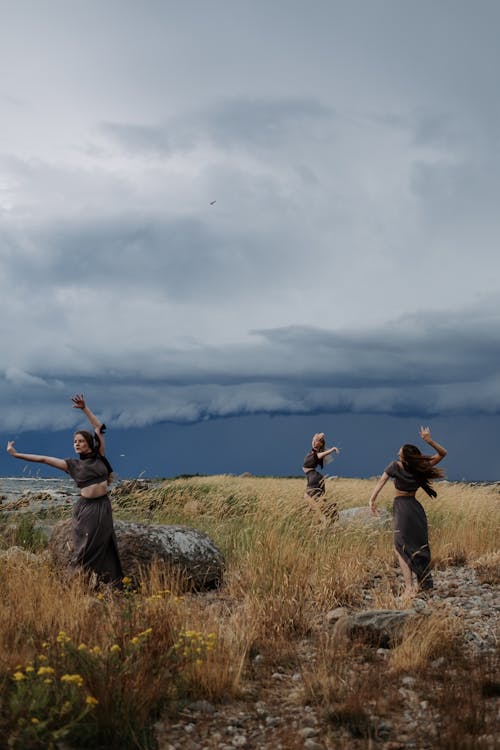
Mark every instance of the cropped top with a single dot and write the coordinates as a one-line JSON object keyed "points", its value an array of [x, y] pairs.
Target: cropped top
{"points": [[403, 480], [312, 460], [87, 471]]}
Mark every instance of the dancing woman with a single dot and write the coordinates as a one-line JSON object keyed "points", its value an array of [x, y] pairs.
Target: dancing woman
{"points": [[94, 540], [411, 471], [315, 488], [316, 481]]}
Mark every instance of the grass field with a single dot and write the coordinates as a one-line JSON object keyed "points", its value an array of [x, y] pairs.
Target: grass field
{"points": [[96, 671]]}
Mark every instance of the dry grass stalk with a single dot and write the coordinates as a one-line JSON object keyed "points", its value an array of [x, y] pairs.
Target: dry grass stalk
{"points": [[424, 640]]}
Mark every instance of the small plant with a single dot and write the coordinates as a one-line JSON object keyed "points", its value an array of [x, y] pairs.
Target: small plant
{"points": [[28, 536], [46, 704]]}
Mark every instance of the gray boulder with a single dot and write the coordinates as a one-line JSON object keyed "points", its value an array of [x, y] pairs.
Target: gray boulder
{"points": [[364, 518], [378, 627], [190, 552]]}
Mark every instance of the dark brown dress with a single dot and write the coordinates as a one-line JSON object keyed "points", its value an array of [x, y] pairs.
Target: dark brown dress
{"points": [[94, 540], [315, 481], [411, 534]]}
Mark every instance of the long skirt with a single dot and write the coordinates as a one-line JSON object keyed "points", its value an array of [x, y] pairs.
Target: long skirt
{"points": [[94, 540], [411, 538], [315, 484]]}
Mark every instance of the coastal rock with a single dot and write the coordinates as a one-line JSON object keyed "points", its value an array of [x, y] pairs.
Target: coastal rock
{"points": [[379, 627], [187, 550]]}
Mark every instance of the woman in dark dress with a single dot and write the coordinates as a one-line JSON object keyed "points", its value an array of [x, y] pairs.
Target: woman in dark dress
{"points": [[94, 540], [315, 489], [411, 471]]}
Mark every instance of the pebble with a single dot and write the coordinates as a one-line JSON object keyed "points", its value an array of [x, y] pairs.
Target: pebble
{"points": [[204, 707], [308, 732], [239, 740], [311, 744]]}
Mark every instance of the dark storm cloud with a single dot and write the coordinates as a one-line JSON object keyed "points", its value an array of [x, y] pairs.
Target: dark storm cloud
{"points": [[351, 151], [409, 367]]}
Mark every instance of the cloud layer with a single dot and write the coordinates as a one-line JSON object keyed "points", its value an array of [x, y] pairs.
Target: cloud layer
{"points": [[236, 212]]}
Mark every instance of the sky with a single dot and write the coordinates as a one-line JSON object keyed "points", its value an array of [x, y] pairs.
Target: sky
{"points": [[234, 224]]}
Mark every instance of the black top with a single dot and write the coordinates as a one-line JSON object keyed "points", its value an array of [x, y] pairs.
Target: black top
{"points": [[403, 480], [312, 460], [87, 471]]}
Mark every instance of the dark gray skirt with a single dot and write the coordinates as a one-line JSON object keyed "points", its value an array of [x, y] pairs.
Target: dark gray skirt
{"points": [[411, 538], [94, 540], [315, 484]]}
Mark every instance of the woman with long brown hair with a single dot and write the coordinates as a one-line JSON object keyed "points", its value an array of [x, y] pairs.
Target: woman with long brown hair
{"points": [[94, 542], [412, 470]]}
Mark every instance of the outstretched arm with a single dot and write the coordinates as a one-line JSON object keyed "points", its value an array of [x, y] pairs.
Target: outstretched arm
{"points": [[79, 403], [381, 482], [327, 453], [57, 463], [425, 434]]}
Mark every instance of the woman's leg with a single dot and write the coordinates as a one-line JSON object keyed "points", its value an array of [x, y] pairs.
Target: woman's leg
{"points": [[407, 576]]}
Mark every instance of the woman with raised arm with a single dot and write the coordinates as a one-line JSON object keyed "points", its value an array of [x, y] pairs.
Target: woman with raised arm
{"points": [[315, 489], [94, 540], [411, 471]]}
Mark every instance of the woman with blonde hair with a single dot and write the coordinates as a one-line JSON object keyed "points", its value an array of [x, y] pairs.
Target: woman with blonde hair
{"points": [[94, 541], [315, 489], [411, 471]]}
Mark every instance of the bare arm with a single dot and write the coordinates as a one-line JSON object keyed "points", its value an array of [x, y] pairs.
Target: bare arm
{"points": [[425, 434], [327, 453], [79, 403], [57, 463], [381, 482]]}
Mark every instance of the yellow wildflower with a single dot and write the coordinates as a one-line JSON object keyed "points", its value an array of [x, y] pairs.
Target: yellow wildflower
{"points": [[45, 644], [126, 580], [199, 662], [73, 679], [30, 669], [100, 596], [45, 670], [96, 650], [91, 701], [42, 657], [63, 637], [48, 681], [145, 633], [18, 676], [82, 647], [34, 720], [134, 641], [115, 648]]}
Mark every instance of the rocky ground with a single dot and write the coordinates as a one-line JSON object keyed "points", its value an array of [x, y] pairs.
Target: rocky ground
{"points": [[273, 711]]}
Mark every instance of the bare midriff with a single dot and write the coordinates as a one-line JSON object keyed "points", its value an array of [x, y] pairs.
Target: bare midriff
{"points": [[399, 493], [94, 490]]}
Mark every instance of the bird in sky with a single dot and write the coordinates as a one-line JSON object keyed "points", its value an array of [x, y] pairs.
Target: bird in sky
{"points": [[212, 202]]}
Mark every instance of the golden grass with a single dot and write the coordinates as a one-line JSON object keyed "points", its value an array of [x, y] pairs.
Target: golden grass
{"points": [[425, 639], [283, 574]]}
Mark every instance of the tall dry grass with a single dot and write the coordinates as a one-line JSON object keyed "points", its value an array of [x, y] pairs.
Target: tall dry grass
{"points": [[283, 573]]}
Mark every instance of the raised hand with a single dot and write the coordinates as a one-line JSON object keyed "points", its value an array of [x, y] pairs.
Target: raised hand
{"points": [[425, 433], [10, 447], [78, 401]]}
